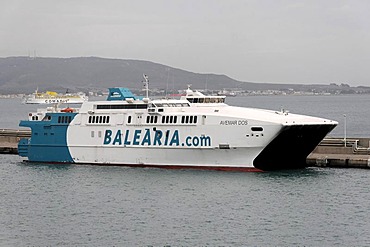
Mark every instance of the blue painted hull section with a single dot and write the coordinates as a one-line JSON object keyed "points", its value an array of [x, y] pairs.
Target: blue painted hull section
{"points": [[48, 142]]}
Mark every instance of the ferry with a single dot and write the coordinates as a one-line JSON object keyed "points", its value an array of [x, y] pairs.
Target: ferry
{"points": [[50, 97], [195, 131]]}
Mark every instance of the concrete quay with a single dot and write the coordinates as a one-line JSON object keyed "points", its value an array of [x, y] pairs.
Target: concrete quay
{"points": [[331, 152], [9, 139], [335, 152]]}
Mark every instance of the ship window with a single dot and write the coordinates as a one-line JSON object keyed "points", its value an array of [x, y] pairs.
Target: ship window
{"points": [[99, 133], [187, 119], [163, 118], [156, 119], [160, 110], [201, 100], [224, 146], [171, 119], [147, 119], [69, 119], [195, 100], [129, 119], [92, 133], [195, 119], [182, 119], [175, 119], [90, 119], [167, 119], [108, 119], [121, 106], [257, 129], [191, 119], [100, 119], [104, 119], [190, 100]]}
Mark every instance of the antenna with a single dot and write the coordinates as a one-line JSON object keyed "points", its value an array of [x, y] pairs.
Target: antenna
{"points": [[146, 85]]}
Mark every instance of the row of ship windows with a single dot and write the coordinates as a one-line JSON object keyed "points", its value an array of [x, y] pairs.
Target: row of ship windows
{"points": [[123, 106], [206, 100], [46, 118], [170, 105], [99, 119], [61, 119], [64, 119], [149, 119], [172, 119]]}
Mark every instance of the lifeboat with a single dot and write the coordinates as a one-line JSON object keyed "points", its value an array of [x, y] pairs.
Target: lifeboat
{"points": [[68, 109]]}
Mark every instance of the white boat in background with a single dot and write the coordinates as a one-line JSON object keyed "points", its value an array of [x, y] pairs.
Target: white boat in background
{"points": [[50, 97]]}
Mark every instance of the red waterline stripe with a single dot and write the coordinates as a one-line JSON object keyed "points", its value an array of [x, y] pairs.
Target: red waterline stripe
{"points": [[214, 168]]}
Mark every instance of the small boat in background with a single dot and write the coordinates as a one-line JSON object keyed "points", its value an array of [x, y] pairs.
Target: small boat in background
{"points": [[50, 97]]}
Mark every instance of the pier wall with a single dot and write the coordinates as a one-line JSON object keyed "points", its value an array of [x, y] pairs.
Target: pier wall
{"points": [[336, 152], [9, 139]]}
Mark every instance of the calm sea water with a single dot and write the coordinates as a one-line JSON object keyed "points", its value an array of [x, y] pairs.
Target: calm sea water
{"points": [[49, 205]]}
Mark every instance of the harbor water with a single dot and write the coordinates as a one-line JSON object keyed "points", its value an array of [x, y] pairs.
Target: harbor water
{"points": [[69, 205]]}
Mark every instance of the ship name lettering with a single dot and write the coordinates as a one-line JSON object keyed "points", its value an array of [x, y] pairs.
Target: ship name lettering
{"points": [[146, 137], [234, 122]]}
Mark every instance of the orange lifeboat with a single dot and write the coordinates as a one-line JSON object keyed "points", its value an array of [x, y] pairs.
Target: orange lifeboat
{"points": [[67, 110]]}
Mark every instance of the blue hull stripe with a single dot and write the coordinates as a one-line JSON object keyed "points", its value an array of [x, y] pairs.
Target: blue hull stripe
{"points": [[48, 142]]}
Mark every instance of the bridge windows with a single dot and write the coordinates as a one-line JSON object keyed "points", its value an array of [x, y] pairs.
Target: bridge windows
{"points": [[122, 106], [214, 99]]}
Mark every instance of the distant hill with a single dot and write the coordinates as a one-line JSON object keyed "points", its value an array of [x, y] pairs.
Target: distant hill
{"points": [[24, 75]]}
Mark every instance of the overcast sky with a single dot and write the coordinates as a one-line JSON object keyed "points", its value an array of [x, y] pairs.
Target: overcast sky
{"points": [[321, 41]]}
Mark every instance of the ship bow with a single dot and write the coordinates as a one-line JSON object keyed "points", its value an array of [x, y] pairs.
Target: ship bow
{"points": [[291, 147]]}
